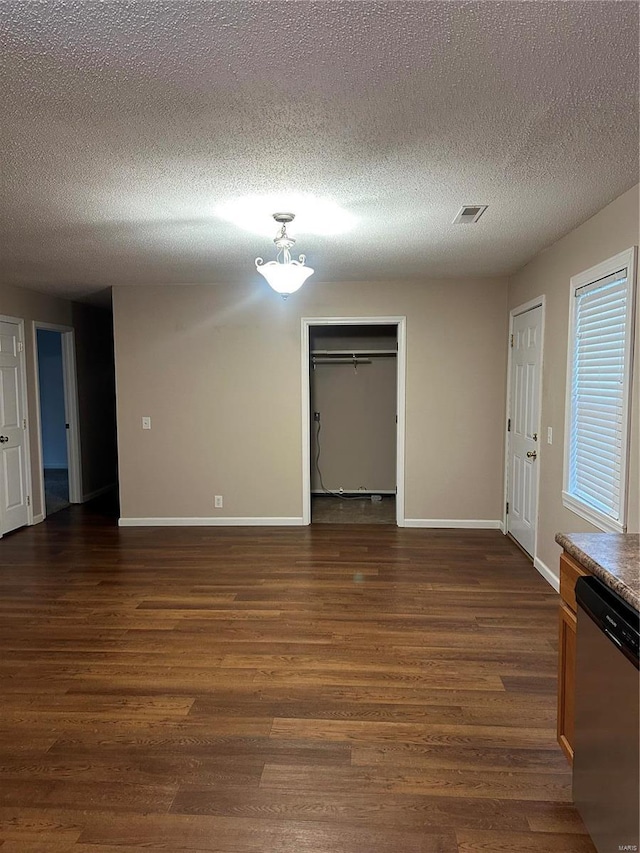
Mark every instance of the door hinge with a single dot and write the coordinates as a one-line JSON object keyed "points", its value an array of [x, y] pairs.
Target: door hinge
{"points": [[28, 501], [20, 346], [535, 436], [24, 423], [507, 507], [512, 341], [509, 425]]}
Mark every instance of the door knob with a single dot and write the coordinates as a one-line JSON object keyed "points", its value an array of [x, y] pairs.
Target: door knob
{"points": [[3, 438], [532, 454]]}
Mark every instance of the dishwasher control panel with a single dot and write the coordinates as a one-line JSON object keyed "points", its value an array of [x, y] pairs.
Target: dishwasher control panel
{"points": [[617, 619]]}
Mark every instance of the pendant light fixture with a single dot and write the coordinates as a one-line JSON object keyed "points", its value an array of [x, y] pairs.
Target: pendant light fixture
{"points": [[284, 275]]}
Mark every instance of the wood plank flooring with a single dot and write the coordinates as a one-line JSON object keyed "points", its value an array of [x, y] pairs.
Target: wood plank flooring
{"points": [[354, 689]]}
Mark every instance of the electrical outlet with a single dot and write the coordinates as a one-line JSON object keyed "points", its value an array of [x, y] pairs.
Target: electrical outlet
{"points": [[316, 417], [146, 423], [549, 435], [218, 502]]}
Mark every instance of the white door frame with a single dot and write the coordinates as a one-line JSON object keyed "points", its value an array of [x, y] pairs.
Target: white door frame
{"points": [[401, 325], [538, 302], [70, 383], [5, 318]]}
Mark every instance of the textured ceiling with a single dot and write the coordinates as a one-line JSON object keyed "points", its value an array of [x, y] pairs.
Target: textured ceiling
{"points": [[125, 125]]}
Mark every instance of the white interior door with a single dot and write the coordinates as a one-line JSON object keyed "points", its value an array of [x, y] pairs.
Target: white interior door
{"points": [[14, 511], [524, 415]]}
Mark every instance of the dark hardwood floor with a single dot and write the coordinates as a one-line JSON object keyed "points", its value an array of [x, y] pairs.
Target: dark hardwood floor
{"points": [[296, 690]]}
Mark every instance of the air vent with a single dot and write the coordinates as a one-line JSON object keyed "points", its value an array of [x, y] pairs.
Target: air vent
{"points": [[469, 214]]}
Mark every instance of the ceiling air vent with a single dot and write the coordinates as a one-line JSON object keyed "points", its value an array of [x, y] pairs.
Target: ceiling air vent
{"points": [[469, 214]]}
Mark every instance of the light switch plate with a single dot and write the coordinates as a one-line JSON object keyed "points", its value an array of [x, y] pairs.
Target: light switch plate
{"points": [[549, 435], [146, 423]]}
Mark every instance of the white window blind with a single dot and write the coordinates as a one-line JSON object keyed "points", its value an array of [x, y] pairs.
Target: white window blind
{"points": [[598, 398]]}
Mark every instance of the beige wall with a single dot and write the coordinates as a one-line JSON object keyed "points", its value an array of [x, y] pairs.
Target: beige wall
{"points": [[218, 369], [610, 231], [94, 364]]}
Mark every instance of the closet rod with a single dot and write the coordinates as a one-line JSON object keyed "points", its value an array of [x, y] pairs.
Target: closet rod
{"points": [[354, 353], [354, 360]]}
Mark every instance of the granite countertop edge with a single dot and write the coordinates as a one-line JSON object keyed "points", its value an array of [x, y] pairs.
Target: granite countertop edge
{"points": [[614, 558]]}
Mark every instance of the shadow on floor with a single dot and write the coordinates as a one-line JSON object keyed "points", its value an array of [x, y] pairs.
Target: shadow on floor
{"points": [[56, 489]]}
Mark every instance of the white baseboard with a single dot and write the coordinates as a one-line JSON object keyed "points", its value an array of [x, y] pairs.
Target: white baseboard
{"points": [[465, 523], [279, 521], [503, 527], [38, 518], [97, 492], [551, 577]]}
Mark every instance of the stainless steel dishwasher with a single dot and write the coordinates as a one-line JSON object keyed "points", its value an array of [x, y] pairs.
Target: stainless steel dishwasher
{"points": [[606, 760]]}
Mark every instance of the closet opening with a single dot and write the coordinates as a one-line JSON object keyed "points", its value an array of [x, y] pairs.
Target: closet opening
{"points": [[355, 380]]}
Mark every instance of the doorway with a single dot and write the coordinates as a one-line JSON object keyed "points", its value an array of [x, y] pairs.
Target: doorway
{"points": [[53, 420], [57, 417], [523, 424], [353, 420]]}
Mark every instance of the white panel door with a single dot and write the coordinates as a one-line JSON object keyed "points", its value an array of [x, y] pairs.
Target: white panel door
{"points": [[522, 489], [13, 436]]}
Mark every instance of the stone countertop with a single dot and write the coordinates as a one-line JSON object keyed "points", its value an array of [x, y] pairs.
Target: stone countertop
{"points": [[613, 557]]}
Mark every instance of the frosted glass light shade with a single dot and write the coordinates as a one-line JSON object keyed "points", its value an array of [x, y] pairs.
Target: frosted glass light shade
{"points": [[284, 278]]}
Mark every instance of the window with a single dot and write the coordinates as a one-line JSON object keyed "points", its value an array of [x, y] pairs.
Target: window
{"points": [[598, 391]]}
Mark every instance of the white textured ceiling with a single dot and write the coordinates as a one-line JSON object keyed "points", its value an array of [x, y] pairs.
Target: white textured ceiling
{"points": [[126, 124]]}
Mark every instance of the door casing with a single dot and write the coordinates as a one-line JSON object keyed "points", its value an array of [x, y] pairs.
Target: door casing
{"points": [[70, 406], [401, 324]]}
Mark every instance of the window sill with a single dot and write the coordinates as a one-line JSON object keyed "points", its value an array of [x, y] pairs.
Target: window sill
{"points": [[608, 525]]}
